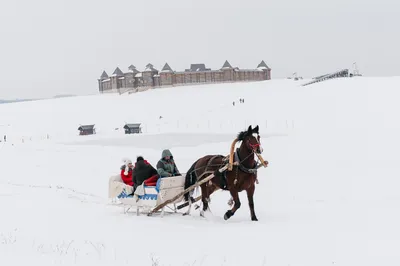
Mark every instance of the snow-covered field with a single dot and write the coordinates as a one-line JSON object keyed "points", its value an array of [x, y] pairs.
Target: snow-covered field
{"points": [[329, 196]]}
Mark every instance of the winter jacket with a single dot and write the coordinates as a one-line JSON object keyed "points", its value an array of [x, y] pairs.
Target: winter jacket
{"points": [[145, 161], [167, 167], [127, 178], [142, 171]]}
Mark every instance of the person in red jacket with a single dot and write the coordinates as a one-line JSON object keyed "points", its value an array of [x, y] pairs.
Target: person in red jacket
{"points": [[126, 172]]}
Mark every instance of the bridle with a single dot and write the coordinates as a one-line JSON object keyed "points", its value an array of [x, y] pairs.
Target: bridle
{"points": [[255, 146]]}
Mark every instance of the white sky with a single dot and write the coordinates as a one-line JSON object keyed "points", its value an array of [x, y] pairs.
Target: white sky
{"points": [[51, 47]]}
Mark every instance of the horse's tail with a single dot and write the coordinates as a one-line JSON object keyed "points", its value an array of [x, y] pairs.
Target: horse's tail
{"points": [[190, 178]]}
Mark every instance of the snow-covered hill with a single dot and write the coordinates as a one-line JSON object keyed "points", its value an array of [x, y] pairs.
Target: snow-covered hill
{"points": [[329, 197]]}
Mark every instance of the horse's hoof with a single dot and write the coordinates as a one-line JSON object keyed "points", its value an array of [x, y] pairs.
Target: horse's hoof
{"points": [[184, 214], [202, 213], [228, 215], [254, 219]]}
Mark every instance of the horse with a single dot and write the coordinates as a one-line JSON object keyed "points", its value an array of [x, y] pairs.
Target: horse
{"points": [[242, 176]]}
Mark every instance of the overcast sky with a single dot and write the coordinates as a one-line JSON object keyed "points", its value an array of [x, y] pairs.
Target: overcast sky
{"points": [[51, 47]]}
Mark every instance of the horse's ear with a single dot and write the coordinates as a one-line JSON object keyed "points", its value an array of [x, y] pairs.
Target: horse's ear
{"points": [[256, 129], [249, 130]]}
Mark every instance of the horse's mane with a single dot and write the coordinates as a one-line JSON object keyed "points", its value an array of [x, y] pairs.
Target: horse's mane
{"points": [[241, 135]]}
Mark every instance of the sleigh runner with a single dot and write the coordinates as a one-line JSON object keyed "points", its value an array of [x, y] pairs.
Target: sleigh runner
{"points": [[147, 198]]}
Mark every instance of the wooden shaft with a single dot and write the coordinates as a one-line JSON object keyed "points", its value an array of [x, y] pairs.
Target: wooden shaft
{"points": [[187, 203], [264, 163], [186, 191], [231, 155]]}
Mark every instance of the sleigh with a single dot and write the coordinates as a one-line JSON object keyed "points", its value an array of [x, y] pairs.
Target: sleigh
{"points": [[171, 190], [168, 191], [148, 198]]}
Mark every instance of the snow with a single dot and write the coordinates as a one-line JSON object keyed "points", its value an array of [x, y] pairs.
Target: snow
{"points": [[149, 69], [329, 196]]}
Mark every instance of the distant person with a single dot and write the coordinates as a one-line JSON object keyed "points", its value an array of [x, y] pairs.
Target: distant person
{"points": [[144, 172], [5, 138], [126, 172], [233, 103], [166, 165]]}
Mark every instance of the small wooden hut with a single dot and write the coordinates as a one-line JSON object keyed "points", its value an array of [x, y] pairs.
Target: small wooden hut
{"points": [[132, 128], [86, 130]]}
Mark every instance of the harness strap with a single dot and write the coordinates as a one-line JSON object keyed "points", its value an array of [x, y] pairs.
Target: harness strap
{"points": [[211, 159], [241, 167], [223, 184], [207, 165]]}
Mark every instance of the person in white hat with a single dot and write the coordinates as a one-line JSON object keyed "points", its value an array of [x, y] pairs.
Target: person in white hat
{"points": [[126, 172]]}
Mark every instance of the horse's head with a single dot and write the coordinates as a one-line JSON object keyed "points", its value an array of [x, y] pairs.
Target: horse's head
{"points": [[251, 139]]}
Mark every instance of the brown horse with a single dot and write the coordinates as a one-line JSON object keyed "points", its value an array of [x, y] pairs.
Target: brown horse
{"points": [[242, 176]]}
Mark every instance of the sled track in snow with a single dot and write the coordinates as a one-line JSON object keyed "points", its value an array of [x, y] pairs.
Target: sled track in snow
{"points": [[82, 196]]}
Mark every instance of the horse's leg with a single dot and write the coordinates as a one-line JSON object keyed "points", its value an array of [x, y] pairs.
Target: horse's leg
{"points": [[204, 198], [250, 193], [230, 202], [190, 201], [189, 208], [236, 206], [210, 190]]}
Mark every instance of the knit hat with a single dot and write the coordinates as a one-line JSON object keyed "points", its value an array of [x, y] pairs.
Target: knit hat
{"points": [[127, 161], [139, 158]]}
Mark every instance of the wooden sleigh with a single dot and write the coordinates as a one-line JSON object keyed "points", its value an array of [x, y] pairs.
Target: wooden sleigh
{"points": [[149, 197]]}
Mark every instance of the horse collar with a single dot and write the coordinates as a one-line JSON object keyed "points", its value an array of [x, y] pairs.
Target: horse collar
{"points": [[241, 167]]}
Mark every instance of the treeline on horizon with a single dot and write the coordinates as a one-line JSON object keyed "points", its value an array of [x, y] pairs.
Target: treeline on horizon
{"points": [[27, 100]]}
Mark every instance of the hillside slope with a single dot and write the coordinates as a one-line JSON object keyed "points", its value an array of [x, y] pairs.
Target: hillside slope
{"points": [[329, 196]]}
